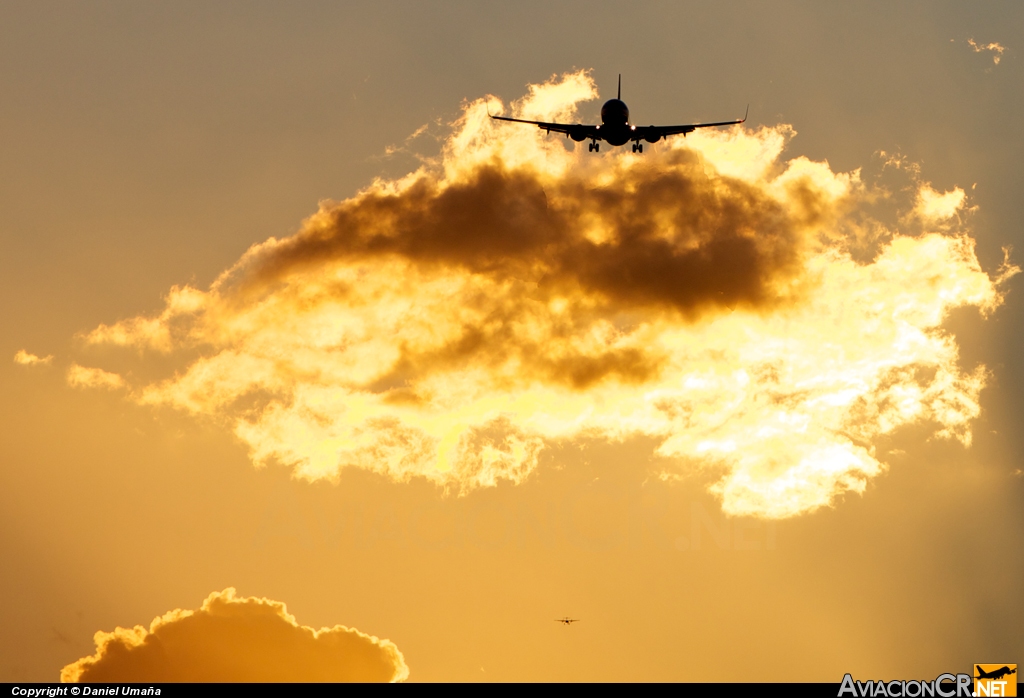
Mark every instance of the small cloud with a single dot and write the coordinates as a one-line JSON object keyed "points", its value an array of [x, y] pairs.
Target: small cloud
{"points": [[85, 377], [152, 333], [234, 639], [1007, 270], [418, 132], [933, 206], [996, 48], [26, 359], [404, 148], [899, 161]]}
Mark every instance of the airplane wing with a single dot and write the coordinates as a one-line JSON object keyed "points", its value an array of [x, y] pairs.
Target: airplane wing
{"points": [[578, 132], [653, 133]]}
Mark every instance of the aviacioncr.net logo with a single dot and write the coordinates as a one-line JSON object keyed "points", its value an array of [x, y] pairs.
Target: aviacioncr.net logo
{"points": [[943, 686]]}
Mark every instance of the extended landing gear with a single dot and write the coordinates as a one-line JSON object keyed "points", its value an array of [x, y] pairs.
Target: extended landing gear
{"points": [[638, 147], [595, 146]]}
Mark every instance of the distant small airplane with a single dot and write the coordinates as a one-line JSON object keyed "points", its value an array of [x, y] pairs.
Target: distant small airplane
{"points": [[567, 620], [615, 127], [995, 673]]}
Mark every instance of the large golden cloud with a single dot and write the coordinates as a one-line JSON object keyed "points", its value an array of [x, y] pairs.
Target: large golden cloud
{"points": [[449, 324], [237, 639]]}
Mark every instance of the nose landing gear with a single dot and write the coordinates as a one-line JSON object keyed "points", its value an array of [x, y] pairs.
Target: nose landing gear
{"points": [[595, 146], [638, 147]]}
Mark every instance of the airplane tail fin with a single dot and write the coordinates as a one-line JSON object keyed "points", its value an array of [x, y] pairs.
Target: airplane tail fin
{"points": [[619, 95]]}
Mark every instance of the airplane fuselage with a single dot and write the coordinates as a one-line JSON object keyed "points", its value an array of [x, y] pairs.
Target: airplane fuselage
{"points": [[615, 128]]}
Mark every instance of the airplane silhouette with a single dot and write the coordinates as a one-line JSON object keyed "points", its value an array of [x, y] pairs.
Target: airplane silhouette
{"points": [[995, 673], [615, 127], [567, 620]]}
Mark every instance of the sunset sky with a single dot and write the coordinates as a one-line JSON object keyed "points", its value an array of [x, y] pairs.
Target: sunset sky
{"points": [[314, 369]]}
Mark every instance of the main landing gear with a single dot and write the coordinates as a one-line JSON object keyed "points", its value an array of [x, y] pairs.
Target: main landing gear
{"points": [[638, 147], [595, 146]]}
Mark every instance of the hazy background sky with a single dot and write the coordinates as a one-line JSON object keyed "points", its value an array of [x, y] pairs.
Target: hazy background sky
{"points": [[148, 145]]}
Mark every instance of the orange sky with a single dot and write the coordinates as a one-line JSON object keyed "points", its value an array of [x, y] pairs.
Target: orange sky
{"points": [[745, 404]]}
